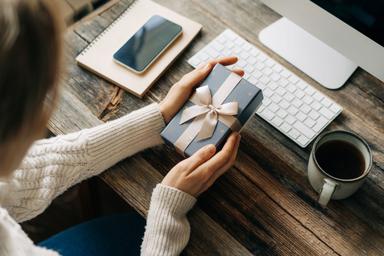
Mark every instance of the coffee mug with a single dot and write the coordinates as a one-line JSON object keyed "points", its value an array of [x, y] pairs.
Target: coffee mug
{"points": [[338, 165]]}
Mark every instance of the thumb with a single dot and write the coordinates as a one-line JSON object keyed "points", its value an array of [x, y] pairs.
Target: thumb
{"points": [[200, 157]]}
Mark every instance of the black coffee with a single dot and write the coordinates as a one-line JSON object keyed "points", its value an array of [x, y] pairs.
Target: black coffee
{"points": [[340, 159]]}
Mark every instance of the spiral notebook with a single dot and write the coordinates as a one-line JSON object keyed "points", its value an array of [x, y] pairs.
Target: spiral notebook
{"points": [[98, 56]]}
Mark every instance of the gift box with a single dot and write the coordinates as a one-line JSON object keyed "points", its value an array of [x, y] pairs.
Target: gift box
{"points": [[223, 103]]}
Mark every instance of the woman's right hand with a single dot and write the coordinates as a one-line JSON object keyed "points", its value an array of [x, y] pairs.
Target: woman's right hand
{"points": [[197, 173]]}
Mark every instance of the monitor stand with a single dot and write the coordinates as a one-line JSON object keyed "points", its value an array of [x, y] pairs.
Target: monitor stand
{"points": [[307, 53]]}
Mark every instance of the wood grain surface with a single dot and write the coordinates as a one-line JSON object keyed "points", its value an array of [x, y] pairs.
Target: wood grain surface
{"points": [[264, 205]]}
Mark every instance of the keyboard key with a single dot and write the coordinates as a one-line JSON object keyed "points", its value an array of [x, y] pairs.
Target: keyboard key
{"points": [[252, 60], [276, 98], [282, 113], [334, 108], [309, 90], [284, 104], [218, 47], [267, 71], [326, 102], [273, 86], [253, 80], [275, 77], [261, 85], [294, 133], [229, 44], [241, 63], [204, 56], [299, 94], [194, 61], [283, 82], [316, 105], [221, 39], [292, 110], [279, 90], [302, 85], [260, 66], [320, 124], [265, 79], [277, 68], [239, 41], [305, 109], [325, 112], [285, 73], [302, 140], [304, 130], [257, 73], [290, 119], [267, 92], [248, 68], [307, 99], [309, 122], [277, 121], [285, 127], [266, 101], [269, 62], [318, 96], [267, 114], [291, 88], [314, 115], [212, 53], [289, 97], [261, 57], [297, 103], [247, 46], [273, 107], [293, 79], [301, 116]]}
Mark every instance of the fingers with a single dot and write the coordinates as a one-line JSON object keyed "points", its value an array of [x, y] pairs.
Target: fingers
{"points": [[198, 158], [223, 61], [190, 80], [226, 156], [238, 71], [226, 167]]}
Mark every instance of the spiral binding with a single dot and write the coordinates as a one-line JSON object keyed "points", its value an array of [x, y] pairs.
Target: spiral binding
{"points": [[105, 31]]}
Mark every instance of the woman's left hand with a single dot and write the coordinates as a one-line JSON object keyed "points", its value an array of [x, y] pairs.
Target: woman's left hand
{"points": [[181, 91]]}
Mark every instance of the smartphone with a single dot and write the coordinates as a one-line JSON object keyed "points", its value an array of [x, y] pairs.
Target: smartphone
{"points": [[147, 44]]}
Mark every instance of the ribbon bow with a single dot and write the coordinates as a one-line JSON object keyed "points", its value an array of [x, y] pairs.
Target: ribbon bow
{"points": [[212, 111]]}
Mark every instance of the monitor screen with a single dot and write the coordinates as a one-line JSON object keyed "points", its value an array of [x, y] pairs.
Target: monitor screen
{"points": [[366, 16]]}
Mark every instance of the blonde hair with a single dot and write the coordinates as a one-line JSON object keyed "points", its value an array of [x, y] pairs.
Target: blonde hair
{"points": [[30, 60]]}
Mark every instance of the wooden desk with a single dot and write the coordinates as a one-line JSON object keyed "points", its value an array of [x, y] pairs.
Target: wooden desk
{"points": [[264, 205]]}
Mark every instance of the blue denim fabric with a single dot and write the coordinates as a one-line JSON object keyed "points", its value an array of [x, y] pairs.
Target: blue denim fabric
{"points": [[111, 235]]}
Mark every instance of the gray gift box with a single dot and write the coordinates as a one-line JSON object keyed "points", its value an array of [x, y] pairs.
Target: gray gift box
{"points": [[248, 96]]}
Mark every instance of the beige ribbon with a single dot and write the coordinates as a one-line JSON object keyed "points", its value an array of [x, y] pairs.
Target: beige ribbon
{"points": [[207, 111]]}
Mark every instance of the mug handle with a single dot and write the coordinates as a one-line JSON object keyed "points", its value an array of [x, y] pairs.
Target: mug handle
{"points": [[327, 191]]}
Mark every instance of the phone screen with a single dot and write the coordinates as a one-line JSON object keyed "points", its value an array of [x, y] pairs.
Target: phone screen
{"points": [[147, 43]]}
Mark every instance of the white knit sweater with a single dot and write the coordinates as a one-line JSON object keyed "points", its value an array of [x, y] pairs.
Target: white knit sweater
{"points": [[53, 165]]}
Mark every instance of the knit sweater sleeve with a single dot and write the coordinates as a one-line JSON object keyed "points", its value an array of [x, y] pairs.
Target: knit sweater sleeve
{"points": [[52, 165], [167, 231]]}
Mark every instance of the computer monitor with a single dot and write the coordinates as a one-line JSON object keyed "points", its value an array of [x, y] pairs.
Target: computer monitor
{"points": [[328, 39]]}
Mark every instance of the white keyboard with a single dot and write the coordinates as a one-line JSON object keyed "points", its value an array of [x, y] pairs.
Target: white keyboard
{"points": [[290, 104]]}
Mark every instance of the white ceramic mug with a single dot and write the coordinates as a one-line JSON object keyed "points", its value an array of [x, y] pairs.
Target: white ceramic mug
{"points": [[330, 187]]}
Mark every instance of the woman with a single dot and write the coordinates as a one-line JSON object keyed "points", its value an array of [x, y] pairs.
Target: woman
{"points": [[33, 173]]}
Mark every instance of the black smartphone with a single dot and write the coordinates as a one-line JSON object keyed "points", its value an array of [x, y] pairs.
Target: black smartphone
{"points": [[147, 44]]}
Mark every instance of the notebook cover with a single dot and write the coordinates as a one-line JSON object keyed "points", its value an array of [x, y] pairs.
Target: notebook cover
{"points": [[98, 56]]}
